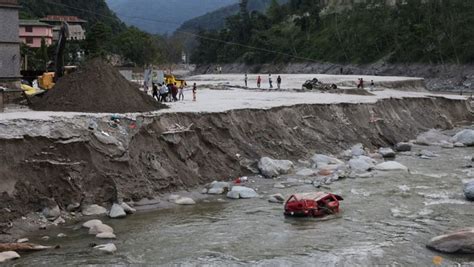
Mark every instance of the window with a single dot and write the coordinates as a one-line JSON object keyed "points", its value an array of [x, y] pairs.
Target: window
{"points": [[28, 28], [29, 40]]}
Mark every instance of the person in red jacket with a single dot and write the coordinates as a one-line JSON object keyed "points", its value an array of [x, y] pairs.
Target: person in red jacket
{"points": [[259, 81]]}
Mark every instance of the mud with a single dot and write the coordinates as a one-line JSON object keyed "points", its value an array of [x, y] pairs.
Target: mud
{"points": [[69, 161], [95, 87]]}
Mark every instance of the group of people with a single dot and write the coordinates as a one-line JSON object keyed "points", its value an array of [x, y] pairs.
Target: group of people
{"points": [[360, 84], [259, 81], [170, 92]]}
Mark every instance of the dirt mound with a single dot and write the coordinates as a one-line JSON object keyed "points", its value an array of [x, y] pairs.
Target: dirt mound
{"points": [[96, 87]]}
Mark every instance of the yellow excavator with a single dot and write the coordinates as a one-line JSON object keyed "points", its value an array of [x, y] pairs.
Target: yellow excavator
{"points": [[171, 79]]}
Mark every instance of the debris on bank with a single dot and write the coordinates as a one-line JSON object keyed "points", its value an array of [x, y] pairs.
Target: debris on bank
{"points": [[97, 88]]}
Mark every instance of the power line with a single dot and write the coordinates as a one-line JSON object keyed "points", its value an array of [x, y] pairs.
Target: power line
{"points": [[186, 32]]}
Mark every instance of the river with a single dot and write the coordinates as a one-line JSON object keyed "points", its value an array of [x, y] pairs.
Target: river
{"points": [[385, 220]]}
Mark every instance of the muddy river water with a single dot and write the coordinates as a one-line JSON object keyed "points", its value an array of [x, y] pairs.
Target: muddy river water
{"points": [[386, 220]]}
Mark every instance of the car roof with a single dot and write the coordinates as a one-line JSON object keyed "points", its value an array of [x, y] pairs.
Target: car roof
{"points": [[312, 195]]}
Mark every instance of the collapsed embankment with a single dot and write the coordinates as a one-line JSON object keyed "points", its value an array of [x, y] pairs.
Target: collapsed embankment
{"points": [[94, 160]]}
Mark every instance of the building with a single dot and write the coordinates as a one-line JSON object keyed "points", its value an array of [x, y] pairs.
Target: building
{"points": [[76, 29], [9, 44], [33, 31]]}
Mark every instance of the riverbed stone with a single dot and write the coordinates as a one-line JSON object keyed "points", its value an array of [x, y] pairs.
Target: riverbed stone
{"points": [[279, 186], [116, 211], [73, 207], [109, 248], [244, 192], [51, 213], [466, 137], [403, 147], [106, 235], [272, 167], [22, 240], [218, 188], [93, 210], [233, 195], [427, 154], [469, 190], [276, 198], [460, 241], [100, 228], [361, 164], [431, 137], [185, 201], [306, 172], [127, 208], [387, 152], [8, 255], [91, 223], [320, 160], [391, 166], [457, 144], [358, 150]]}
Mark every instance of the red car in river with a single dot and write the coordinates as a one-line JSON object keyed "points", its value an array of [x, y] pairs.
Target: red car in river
{"points": [[315, 204]]}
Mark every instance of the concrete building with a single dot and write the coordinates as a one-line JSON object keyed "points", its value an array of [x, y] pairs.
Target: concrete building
{"points": [[9, 44], [33, 31], [76, 29]]}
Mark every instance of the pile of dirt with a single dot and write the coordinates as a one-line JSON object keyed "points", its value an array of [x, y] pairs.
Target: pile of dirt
{"points": [[96, 87]]}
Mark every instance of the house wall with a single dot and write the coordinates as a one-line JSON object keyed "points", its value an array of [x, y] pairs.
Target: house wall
{"points": [[38, 33], [9, 42]]}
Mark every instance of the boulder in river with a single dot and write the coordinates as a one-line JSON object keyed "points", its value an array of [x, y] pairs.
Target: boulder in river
{"points": [[184, 201], [100, 228], [51, 213], [244, 192], [93, 210], [91, 223], [466, 137], [431, 137], [109, 248], [361, 164], [469, 190], [391, 166], [127, 208], [387, 152], [105, 235], [358, 150], [218, 188], [276, 198], [272, 168], [8, 255], [403, 147], [117, 212], [460, 241], [320, 160], [305, 172], [233, 195]]}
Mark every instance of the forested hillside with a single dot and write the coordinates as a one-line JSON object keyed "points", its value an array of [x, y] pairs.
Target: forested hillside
{"points": [[163, 16], [216, 19], [106, 35], [417, 31], [90, 10]]}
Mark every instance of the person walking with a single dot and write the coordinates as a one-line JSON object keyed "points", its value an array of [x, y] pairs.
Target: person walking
{"points": [[194, 91], [246, 80], [279, 81], [259, 81], [372, 85], [361, 84], [155, 92], [174, 92], [163, 93], [181, 92], [270, 81]]}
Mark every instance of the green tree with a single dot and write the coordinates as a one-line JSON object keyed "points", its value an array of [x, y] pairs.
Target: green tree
{"points": [[97, 41]]}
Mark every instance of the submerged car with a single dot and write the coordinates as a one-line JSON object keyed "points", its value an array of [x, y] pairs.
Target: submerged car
{"points": [[315, 204]]}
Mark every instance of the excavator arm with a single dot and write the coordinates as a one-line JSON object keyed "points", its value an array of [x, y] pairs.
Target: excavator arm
{"points": [[59, 55]]}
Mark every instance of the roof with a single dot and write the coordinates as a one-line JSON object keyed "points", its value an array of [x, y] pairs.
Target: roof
{"points": [[56, 18], [313, 195], [32, 22]]}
